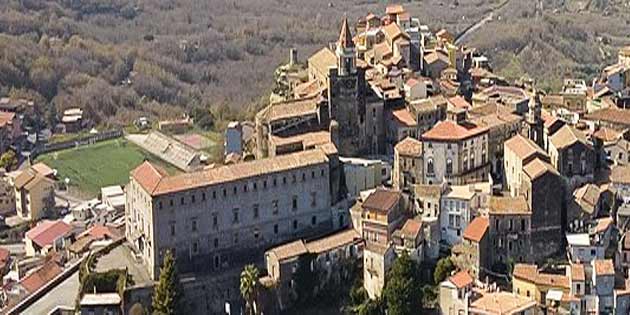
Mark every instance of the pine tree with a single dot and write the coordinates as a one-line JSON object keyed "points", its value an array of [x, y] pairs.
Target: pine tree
{"points": [[403, 291], [167, 293]]}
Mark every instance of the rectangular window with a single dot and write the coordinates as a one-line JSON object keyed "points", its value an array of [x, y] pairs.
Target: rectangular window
{"points": [[193, 225], [255, 211], [203, 196], [235, 215], [314, 199], [295, 203], [274, 207], [172, 229], [215, 220]]}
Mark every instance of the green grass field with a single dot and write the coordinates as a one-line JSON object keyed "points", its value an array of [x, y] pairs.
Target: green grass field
{"points": [[102, 164]]}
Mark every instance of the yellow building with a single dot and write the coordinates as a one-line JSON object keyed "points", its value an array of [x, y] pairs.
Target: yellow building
{"points": [[528, 281], [34, 194]]}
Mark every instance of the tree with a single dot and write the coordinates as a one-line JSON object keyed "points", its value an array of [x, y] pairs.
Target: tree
{"points": [[305, 279], [443, 269], [8, 160], [249, 287], [167, 293], [403, 292]]}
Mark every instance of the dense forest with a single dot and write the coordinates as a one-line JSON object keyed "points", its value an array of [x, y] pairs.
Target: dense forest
{"points": [[121, 59]]}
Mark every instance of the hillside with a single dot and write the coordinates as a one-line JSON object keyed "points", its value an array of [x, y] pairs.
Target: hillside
{"points": [[120, 59]]}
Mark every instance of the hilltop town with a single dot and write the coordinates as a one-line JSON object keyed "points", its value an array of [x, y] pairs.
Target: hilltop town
{"points": [[392, 171]]}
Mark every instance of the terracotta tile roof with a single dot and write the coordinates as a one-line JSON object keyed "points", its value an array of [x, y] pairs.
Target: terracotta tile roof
{"points": [[488, 109], [461, 279], [537, 167], [100, 232], [477, 229], [41, 276], [46, 232], [426, 190], [612, 115], [549, 119], [322, 60], [449, 130], [6, 118], [620, 174], [436, 56], [308, 139], [587, 197], [148, 175], [393, 31], [530, 273], [411, 228], [159, 185], [290, 109], [496, 120], [81, 245], [523, 147], [603, 225], [404, 117], [289, 250], [500, 303], [394, 9], [604, 267], [567, 136], [43, 169], [606, 134], [508, 205], [577, 272], [428, 104], [337, 240], [409, 147], [459, 102], [382, 200]]}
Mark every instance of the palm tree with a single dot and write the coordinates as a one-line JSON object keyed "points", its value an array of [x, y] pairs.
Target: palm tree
{"points": [[249, 286]]}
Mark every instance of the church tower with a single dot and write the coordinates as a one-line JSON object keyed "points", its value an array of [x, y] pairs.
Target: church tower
{"points": [[345, 51], [533, 120], [346, 104]]}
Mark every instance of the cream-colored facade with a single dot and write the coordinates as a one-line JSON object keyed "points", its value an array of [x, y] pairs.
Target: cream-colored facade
{"points": [[34, 194], [212, 218]]}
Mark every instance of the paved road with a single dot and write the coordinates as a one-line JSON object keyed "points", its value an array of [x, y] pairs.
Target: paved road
{"points": [[473, 28]]}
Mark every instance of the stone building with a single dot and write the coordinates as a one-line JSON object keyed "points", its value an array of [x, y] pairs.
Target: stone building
{"points": [[510, 229], [427, 200], [329, 255], [611, 146], [545, 193], [458, 205], [456, 154], [572, 155], [225, 215], [341, 103], [408, 164], [518, 152], [474, 251], [502, 125], [428, 112]]}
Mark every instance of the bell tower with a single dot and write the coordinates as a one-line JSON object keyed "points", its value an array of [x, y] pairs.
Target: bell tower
{"points": [[345, 51], [346, 104], [533, 120]]}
